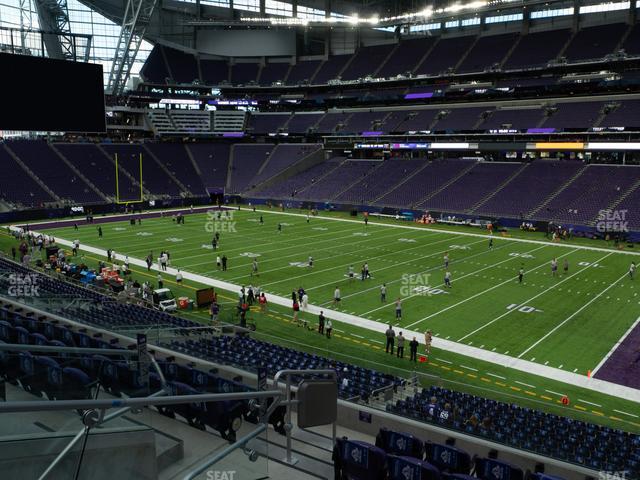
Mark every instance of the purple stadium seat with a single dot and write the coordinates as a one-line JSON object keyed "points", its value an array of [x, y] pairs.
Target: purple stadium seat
{"points": [[331, 68], [471, 188], [283, 156], [302, 71], [246, 161], [331, 121], [213, 162], [51, 169], [429, 179], [458, 119], [530, 188], [595, 42], [154, 179], [23, 189], [487, 51], [267, 122], [383, 179], [366, 61], [582, 199], [301, 122], [406, 57], [339, 179], [243, 73], [289, 187], [407, 120], [537, 49], [574, 115], [175, 158], [445, 55], [274, 72], [98, 168], [626, 115], [519, 119]]}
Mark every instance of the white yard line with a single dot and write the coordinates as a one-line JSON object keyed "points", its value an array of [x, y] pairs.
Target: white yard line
{"points": [[525, 384], [509, 280], [626, 413], [553, 330], [555, 393], [469, 368], [589, 403], [312, 271], [377, 287], [362, 254], [296, 244], [615, 347], [303, 258], [444, 361], [527, 302]]}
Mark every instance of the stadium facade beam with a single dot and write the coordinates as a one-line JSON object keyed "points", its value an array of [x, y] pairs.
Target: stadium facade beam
{"points": [[26, 22], [54, 17], [135, 20]]}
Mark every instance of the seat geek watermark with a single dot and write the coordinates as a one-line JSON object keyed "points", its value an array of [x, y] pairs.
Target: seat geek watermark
{"points": [[23, 285], [612, 221], [221, 475], [220, 222], [620, 475], [415, 284]]}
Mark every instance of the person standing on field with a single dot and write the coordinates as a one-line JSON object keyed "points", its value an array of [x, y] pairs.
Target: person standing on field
{"points": [[391, 337], [400, 345], [413, 349], [321, 321]]}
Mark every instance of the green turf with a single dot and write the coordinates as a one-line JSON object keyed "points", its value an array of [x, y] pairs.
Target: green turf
{"points": [[578, 317]]}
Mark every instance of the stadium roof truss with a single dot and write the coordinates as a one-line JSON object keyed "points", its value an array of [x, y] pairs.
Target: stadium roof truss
{"points": [[54, 17], [136, 18]]}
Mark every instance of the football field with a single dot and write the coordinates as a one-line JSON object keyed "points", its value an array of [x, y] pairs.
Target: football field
{"points": [[569, 320]]}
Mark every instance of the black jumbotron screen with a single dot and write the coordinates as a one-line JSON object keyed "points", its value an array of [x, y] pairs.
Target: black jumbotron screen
{"points": [[50, 95]]}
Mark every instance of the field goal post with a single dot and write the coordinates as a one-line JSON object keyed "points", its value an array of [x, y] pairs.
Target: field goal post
{"points": [[119, 201]]}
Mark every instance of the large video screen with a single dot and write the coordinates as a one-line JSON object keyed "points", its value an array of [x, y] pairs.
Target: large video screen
{"points": [[40, 94]]}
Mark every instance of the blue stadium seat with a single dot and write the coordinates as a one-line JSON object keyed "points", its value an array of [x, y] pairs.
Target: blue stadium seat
{"points": [[402, 468], [355, 460], [447, 458], [402, 444], [490, 469]]}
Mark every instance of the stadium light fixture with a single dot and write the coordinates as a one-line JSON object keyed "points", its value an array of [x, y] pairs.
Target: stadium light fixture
{"points": [[355, 19]]}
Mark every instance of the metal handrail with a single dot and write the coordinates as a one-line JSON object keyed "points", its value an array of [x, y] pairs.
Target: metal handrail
{"points": [[135, 402], [12, 347]]}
